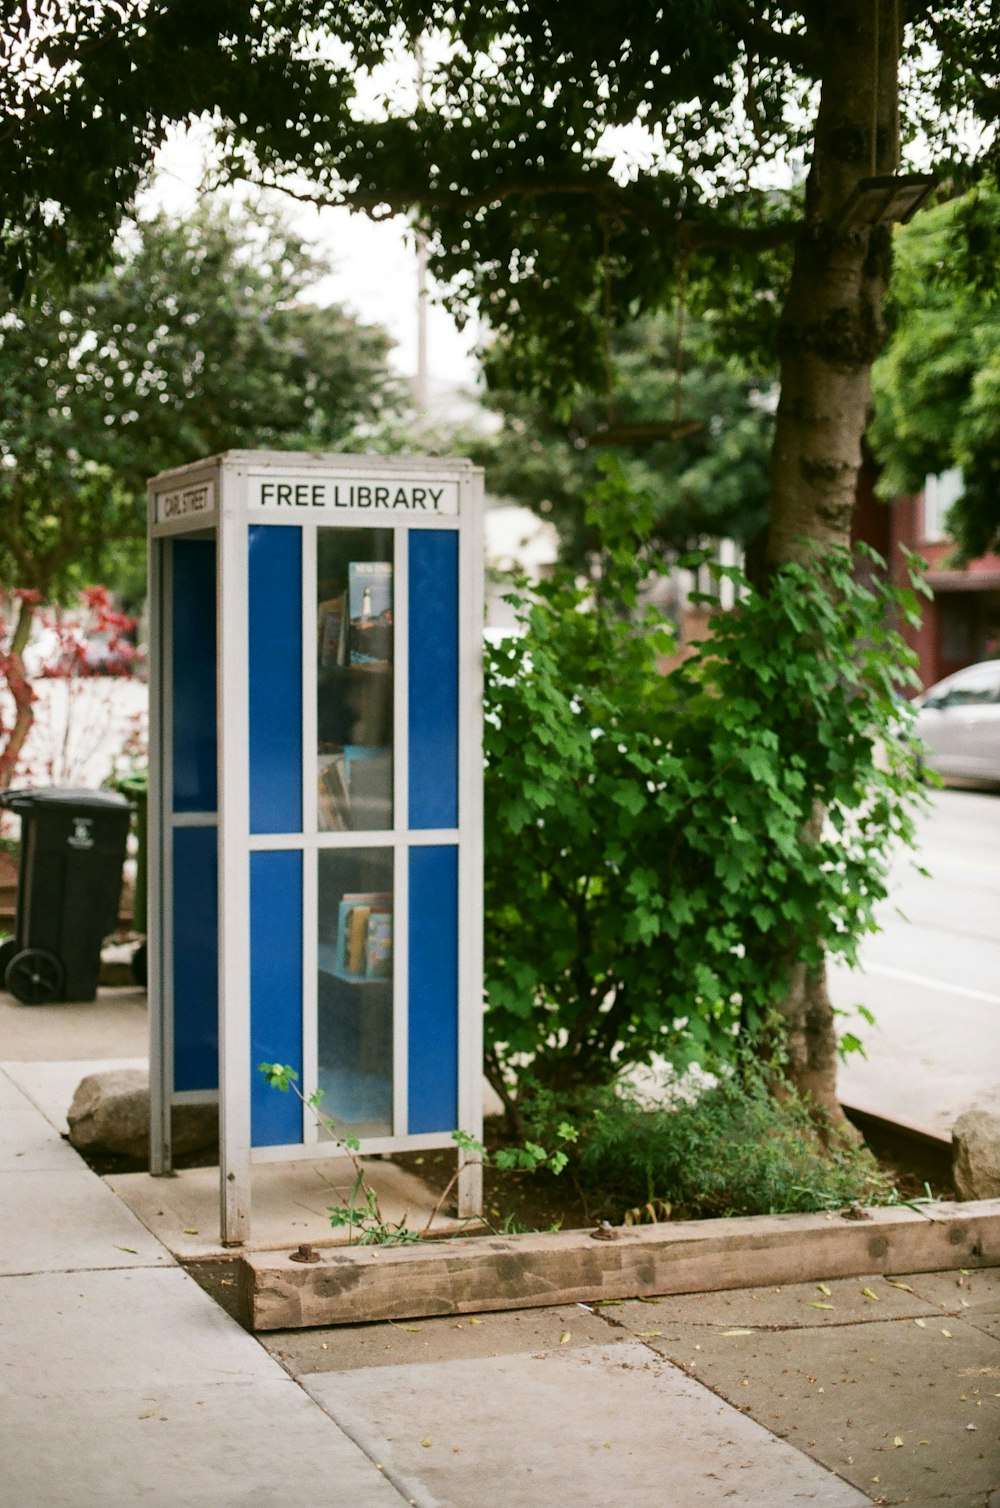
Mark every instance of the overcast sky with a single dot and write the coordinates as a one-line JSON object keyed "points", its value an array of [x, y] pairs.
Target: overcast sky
{"points": [[375, 267]]}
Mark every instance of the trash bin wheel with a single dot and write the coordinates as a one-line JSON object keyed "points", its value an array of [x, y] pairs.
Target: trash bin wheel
{"points": [[7, 950], [34, 976]]}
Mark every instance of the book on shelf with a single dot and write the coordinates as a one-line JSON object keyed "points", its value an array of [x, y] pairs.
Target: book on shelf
{"points": [[369, 599], [378, 945], [333, 631], [333, 795], [354, 788], [364, 936]]}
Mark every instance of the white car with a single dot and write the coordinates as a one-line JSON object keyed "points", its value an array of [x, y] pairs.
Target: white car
{"points": [[958, 723]]}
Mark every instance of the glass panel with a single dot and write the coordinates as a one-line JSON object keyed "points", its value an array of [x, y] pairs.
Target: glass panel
{"points": [[354, 649], [355, 989]]}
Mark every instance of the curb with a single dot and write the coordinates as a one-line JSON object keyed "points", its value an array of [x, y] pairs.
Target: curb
{"points": [[359, 1284]]}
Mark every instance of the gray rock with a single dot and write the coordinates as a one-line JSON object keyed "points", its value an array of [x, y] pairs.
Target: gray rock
{"points": [[975, 1155], [109, 1116]]}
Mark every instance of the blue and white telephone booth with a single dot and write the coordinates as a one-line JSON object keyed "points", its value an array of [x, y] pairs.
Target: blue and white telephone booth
{"points": [[316, 805]]}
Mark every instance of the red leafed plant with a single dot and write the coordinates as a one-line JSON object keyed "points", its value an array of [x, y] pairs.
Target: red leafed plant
{"points": [[92, 641], [40, 642]]}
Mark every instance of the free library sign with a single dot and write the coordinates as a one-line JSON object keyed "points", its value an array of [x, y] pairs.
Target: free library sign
{"points": [[291, 495], [371, 495]]}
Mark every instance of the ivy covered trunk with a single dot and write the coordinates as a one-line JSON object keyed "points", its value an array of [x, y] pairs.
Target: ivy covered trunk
{"points": [[831, 331]]}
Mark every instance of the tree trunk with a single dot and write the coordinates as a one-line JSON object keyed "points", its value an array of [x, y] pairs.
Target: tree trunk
{"points": [[831, 330], [13, 672]]}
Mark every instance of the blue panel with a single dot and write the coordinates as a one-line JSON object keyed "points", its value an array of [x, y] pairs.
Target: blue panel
{"points": [[433, 647], [275, 993], [193, 690], [196, 958], [275, 669], [433, 1024]]}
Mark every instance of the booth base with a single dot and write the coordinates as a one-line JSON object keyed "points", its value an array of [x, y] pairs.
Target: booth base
{"points": [[289, 1202]]}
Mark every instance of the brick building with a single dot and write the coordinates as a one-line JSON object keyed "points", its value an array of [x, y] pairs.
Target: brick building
{"points": [[961, 625]]}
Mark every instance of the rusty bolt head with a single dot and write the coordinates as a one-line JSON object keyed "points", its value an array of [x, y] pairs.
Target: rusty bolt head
{"points": [[304, 1253]]}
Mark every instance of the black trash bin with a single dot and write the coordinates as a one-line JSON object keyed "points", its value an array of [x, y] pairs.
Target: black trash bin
{"points": [[68, 887]]}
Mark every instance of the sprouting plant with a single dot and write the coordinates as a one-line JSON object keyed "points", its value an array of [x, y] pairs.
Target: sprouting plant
{"points": [[362, 1216]]}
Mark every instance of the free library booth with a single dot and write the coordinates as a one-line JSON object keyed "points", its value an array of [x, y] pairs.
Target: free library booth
{"points": [[315, 819]]}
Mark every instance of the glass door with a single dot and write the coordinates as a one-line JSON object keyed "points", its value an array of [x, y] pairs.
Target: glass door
{"points": [[355, 642]]}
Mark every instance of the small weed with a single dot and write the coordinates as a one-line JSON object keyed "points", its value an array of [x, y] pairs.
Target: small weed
{"points": [[362, 1216]]}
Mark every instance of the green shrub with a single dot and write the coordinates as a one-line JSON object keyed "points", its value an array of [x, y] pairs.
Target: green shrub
{"points": [[652, 862], [736, 1150]]}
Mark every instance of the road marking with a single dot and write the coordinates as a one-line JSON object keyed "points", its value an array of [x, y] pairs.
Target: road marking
{"points": [[953, 858], [924, 979]]}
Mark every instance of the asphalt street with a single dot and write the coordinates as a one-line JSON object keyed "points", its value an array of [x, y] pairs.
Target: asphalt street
{"points": [[932, 975]]}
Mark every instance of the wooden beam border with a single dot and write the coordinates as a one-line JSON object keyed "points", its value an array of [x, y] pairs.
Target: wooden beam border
{"points": [[352, 1285]]}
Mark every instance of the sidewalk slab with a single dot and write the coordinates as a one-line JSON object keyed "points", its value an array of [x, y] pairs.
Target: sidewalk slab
{"points": [[500, 1333], [132, 1387], [598, 1425], [65, 1219], [108, 1330], [115, 1025], [28, 1143], [221, 1445], [58, 1215], [900, 1393]]}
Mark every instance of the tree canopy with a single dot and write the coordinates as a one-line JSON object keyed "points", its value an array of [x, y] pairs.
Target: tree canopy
{"points": [[569, 165], [194, 341], [937, 385], [690, 426]]}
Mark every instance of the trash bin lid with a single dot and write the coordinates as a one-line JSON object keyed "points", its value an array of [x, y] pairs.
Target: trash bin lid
{"points": [[133, 785], [27, 800]]}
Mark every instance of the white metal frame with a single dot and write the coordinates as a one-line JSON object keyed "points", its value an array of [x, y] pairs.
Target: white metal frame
{"points": [[233, 476]]}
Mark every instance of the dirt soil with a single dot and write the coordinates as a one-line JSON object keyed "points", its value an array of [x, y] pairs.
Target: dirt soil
{"points": [[515, 1202], [521, 1202]]}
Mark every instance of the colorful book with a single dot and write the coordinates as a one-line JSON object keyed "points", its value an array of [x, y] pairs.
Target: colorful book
{"points": [[357, 938], [369, 597], [333, 796], [378, 946], [364, 936]]}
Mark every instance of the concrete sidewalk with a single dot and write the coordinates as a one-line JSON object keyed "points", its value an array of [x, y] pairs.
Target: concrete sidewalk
{"points": [[124, 1383], [120, 1381]]}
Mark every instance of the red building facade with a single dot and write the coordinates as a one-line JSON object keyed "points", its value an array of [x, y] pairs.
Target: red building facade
{"points": [[961, 624]]}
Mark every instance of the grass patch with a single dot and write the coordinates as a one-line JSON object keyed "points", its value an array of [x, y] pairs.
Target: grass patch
{"points": [[736, 1150]]}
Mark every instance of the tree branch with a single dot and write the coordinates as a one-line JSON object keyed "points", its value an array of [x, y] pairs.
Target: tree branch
{"points": [[608, 198], [796, 48]]}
